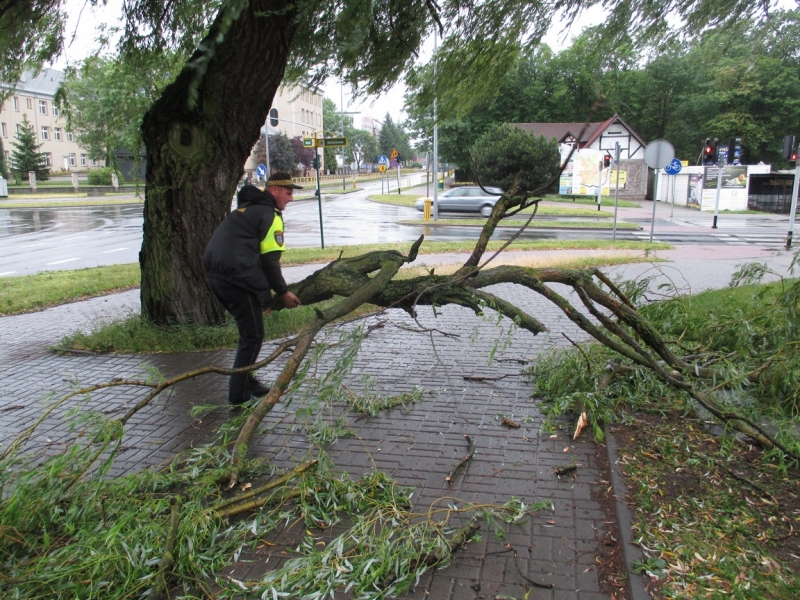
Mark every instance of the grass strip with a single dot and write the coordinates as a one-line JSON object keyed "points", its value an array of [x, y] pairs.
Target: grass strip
{"points": [[535, 224], [50, 288]]}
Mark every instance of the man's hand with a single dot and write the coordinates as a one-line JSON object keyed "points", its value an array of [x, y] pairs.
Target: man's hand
{"points": [[289, 300]]}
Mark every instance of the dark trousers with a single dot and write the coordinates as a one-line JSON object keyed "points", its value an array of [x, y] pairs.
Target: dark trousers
{"points": [[246, 311]]}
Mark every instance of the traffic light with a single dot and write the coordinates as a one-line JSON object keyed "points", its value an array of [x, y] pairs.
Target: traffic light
{"points": [[710, 152], [788, 147], [734, 156], [607, 160], [793, 158]]}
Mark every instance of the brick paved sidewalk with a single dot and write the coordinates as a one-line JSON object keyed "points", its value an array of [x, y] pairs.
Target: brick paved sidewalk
{"points": [[418, 447]]}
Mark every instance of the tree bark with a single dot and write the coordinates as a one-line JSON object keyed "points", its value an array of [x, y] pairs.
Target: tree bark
{"points": [[198, 136]]}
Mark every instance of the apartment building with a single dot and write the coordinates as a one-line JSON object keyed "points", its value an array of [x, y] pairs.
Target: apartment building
{"points": [[296, 111], [33, 97]]}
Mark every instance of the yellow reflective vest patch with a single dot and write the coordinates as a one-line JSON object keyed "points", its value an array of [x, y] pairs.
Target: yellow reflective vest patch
{"points": [[273, 241]]}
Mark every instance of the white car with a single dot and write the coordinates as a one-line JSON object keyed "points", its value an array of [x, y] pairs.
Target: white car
{"points": [[468, 198]]}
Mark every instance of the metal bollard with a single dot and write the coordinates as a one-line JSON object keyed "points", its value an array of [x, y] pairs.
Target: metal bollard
{"points": [[426, 212]]}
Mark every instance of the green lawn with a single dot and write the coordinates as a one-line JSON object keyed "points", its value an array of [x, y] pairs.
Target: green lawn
{"points": [[535, 224]]}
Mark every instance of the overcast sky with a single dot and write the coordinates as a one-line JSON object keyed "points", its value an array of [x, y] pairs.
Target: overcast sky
{"points": [[81, 34]]}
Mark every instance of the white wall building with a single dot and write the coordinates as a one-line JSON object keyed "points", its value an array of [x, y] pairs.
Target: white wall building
{"points": [[33, 97], [296, 111]]}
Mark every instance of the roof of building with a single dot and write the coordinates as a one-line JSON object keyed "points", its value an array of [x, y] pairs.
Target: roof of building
{"points": [[44, 84], [563, 131]]}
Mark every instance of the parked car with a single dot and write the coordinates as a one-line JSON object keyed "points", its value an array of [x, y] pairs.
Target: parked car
{"points": [[468, 198]]}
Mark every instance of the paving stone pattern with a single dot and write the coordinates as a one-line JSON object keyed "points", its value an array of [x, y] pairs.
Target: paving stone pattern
{"points": [[417, 447]]}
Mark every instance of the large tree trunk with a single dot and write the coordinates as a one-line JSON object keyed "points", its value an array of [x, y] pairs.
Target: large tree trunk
{"points": [[198, 136]]}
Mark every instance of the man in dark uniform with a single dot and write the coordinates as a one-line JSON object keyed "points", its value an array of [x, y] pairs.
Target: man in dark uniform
{"points": [[242, 263]]}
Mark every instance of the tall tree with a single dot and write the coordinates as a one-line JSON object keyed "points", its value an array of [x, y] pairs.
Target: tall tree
{"points": [[105, 99], [3, 163], [392, 137], [302, 155], [281, 153], [202, 128], [26, 156], [363, 147], [329, 119]]}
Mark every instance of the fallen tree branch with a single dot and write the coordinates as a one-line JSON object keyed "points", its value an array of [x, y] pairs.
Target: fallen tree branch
{"points": [[467, 458], [160, 586]]}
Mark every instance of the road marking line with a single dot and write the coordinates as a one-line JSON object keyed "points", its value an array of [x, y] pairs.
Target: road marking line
{"points": [[4, 273], [114, 250], [58, 262], [33, 245], [80, 237]]}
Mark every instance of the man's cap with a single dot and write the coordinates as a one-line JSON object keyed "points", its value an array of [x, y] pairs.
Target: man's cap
{"points": [[283, 180]]}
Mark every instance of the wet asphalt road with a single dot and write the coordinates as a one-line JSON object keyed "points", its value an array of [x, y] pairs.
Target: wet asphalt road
{"points": [[54, 238]]}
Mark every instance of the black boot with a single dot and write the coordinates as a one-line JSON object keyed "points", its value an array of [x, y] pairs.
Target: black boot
{"points": [[256, 388]]}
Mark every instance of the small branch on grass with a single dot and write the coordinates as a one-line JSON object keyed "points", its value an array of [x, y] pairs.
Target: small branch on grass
{"points": [[586, 358], [160, 586], [264, 488], [254, 504], [460, 537], [467, 458]]}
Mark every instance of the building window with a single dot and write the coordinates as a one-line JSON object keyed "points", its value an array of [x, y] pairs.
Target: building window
{"points": [[69, 136], [5, 131], [71, 160], [57, 134], [16, 104], [17, 130], [45, 133], [48, 159], [94, 162], [55, 110], [83, 160], [29, 103], [42, 107]]}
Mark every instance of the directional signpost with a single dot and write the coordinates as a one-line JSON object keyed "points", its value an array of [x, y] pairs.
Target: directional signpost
{"points": [[657, 155], [323, 142], [383, 162], [673, 169], [261, 171]]}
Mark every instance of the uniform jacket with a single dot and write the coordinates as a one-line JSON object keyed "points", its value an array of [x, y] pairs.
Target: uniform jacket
{"points": [[233, 252]]}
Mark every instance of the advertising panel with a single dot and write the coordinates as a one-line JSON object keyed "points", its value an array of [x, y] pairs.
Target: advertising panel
{"points": [[583, 174], [733, 188]]}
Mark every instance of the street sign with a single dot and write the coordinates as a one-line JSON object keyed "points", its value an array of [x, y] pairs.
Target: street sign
{"points": [[261, 171], [382, 160], [334, 141], [324, 142], [381, 168], [658, 154], [674, 167]]}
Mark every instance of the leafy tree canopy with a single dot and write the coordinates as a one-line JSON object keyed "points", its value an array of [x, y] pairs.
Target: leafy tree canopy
{"points": [[104, 100], [392, 137], [506, 155], [3, 162]]}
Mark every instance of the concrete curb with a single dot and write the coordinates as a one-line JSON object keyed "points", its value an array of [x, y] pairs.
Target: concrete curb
{"points": [[630, 552]]}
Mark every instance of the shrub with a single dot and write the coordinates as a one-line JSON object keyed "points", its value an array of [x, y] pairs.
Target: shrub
{"points": [[102, 176]]}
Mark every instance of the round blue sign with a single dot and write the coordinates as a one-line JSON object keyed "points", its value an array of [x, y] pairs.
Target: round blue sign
{"points": [[674, 167], [261, 170]]}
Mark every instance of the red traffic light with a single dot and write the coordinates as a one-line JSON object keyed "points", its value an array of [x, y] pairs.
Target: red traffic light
{"points": [[607, 160]]}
